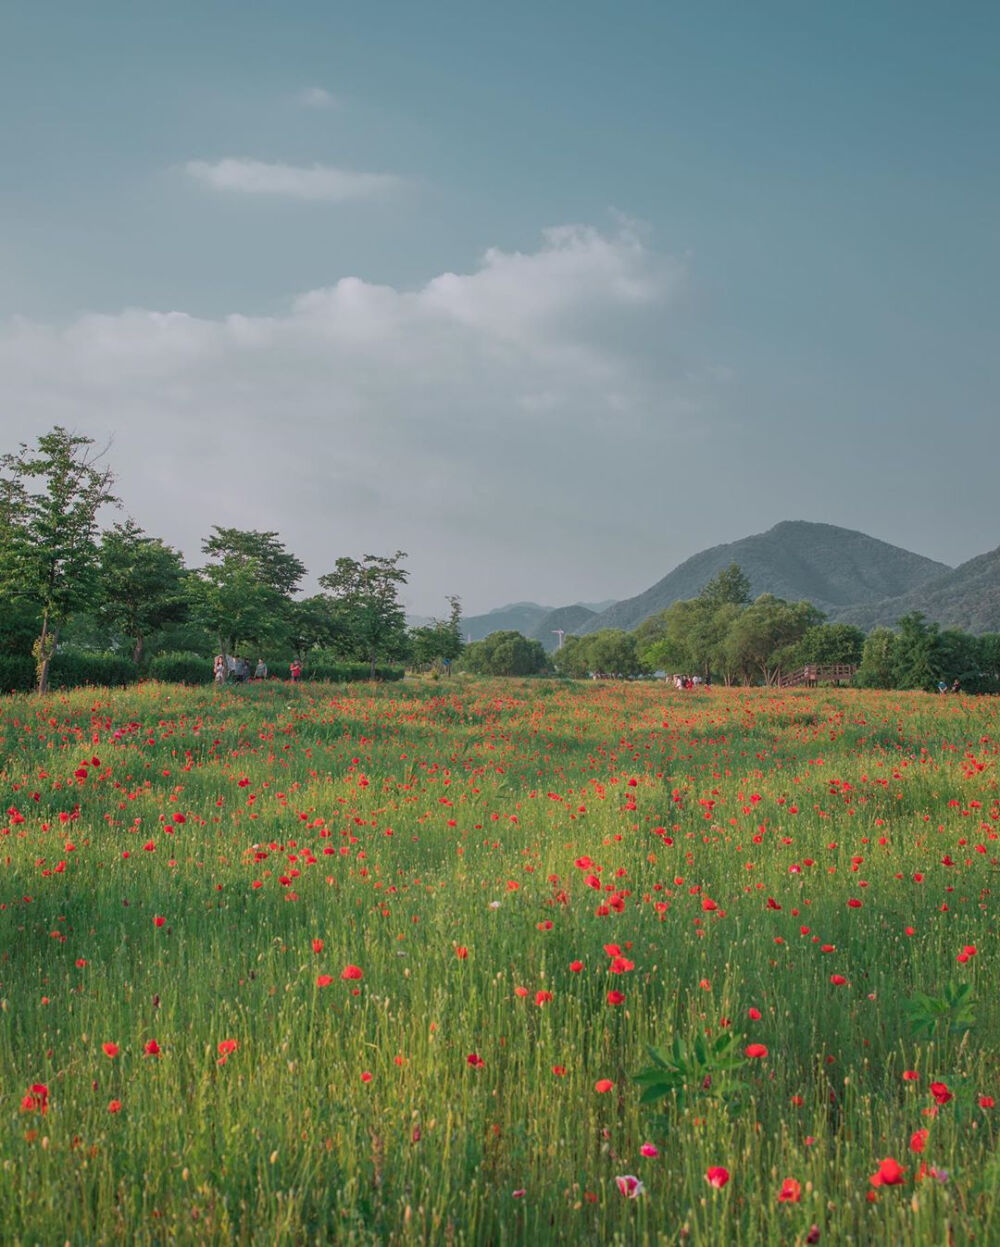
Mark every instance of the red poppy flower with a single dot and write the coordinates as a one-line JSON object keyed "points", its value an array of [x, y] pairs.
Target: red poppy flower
{"points": [[114, 1106], [940, 1092], [475, 1060], [324, 980], [317, 946], [616, 998], [717, 1176], [791, 1192], [352, 972], [890, 1173], [918, 1140], [152, 1048], [756, 1050], [36, 1099], [110, 1050], [603, 1085]]}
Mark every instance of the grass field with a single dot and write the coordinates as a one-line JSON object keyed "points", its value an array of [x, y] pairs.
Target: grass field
{"points": [[325, 965]]}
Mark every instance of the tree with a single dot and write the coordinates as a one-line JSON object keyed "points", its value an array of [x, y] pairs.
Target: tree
{"points": [[610, 652], [244, 594], [830, 643], [367, 597], [762, 635], [730, 587], [141, 585], [48, 546], [505, 653], [440, 641], [879, 659], [918, 662], [273, 565]]}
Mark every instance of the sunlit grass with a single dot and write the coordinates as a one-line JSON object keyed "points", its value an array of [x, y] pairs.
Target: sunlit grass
{"points": [[199, 868]]}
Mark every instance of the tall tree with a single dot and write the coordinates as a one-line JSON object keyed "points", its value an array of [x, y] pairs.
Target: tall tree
{"points": [[366, 594], [440, 641], [141, 586], [48, 537], [243, 595]]}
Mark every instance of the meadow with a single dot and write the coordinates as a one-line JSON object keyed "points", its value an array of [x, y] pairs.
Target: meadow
{"points": [[384, 965]]}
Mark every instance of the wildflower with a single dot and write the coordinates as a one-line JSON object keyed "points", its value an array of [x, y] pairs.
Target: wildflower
{"points": [[366, 1076], [152, 1048], [890, 1173], [629, 1185], [918, 1140], [317, 946], [603, 1085], [36, 1099], [110, 1050], [576, 966], [616, 998], [324, 980], [791, 1192], [159, 920], [649, 1149], [717, 1176], [475, 1060], [559, 1071], [987, 1101], [756, 1050], [753, 1014], [114, 1106], [542, 997], [351, 972], [940, 1092]]}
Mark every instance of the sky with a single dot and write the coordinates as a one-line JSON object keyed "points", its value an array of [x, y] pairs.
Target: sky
{"points": [[550, 296]]}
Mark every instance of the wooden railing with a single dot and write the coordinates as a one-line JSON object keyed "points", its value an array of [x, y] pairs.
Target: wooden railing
{"points": [[813, 673]]}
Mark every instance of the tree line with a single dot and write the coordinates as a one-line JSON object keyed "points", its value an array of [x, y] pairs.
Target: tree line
{"points": [[63, 578]]}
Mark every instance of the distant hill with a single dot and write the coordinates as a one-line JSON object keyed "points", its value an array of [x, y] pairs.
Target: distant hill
{"points": [[564, 618], [966, 598], [521, 617], [821, 563]]}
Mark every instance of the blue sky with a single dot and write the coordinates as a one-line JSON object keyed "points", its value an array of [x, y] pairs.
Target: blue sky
{"points": [[551, 296]]}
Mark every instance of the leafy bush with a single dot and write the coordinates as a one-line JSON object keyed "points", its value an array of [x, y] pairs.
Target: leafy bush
{"points": [[17, 673], [71, 668], [181, 668]]}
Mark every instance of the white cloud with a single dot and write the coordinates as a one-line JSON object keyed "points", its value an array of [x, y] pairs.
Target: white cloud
{"points": [[485, 422], [310, 182], [316, 97]]}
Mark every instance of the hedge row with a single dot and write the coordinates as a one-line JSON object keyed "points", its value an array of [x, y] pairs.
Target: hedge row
{"points": [[71, 668]]}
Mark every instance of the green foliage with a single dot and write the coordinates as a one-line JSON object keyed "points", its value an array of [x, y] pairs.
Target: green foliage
{"points": [[693, 1070], [72, 668], [505, 653], [48, 549], [609, 653], [952, 1013], [878, 659], [440, 642], [181, 668], [829, 643], [140, 585], [17, 673], [366, 598], [730, 587]]}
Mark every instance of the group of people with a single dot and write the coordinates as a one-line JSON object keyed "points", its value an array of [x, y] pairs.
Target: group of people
{"points": [[237, 668], [686, 681]]}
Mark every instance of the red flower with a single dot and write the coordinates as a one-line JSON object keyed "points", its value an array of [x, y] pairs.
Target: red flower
{"points": [[351, 972], [837, 980], [114, 1106], [890, 1173], [616, 998], [603, 1085], [227, 1046], [940, 1092], [158, 921], [475, 1060], [110, 1050], [317, 946], [324, 980], [910, 1075], [576, 966], [791, 1192], [36, 1099], [754, 1014], [152, 1048], [542, 997], [756, 1050], [918, 1140], [461, 952], [717, 1176], [987, 1101]]}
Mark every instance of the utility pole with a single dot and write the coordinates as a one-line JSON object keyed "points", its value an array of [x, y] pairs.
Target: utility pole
{"points": [[560, 633]]}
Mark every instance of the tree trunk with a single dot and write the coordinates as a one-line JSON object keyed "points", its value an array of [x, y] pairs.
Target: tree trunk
{"points": [[43, 649], [137, 651]]}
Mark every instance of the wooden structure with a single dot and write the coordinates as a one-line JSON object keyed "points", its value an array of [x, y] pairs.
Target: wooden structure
{"points": [[814, 673]]}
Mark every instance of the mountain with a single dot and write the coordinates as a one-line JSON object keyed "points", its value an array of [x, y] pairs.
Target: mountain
{"points": [[521, 617], [564, 619], [967, 598], [821, 563]]}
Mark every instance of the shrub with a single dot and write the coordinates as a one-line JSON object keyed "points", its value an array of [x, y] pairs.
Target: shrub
{"points": [[17, 673], [181, 668], [72, 668]]}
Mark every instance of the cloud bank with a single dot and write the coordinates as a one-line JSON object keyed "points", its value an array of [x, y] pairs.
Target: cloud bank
{"points": [[490, 423], [315, 183]]}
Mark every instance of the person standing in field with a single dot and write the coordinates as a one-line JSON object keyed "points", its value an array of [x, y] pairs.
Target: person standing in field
{"points": [[261, 670], [295, 671], [220, 669]]}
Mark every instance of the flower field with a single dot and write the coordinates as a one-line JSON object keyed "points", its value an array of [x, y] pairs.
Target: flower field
{"points": [[307, 965]]}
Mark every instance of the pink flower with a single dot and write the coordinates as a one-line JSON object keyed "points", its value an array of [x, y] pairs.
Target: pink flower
{"points": [[629, 1185], [717, 1176], [649, 1149]]}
